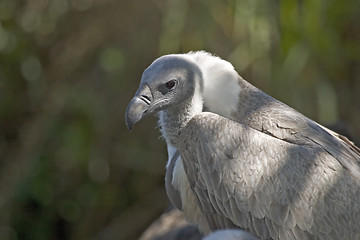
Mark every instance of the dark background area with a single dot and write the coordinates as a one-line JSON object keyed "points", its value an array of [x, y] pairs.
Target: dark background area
{"points": [[69, 168]]}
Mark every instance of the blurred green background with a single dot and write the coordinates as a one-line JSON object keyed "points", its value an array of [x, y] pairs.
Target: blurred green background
{"points": [[69, 168]]}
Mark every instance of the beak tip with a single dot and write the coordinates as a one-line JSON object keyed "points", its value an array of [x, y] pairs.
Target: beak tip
{"points": [[138, 107], [133, 115], [129, 122], [129, 126]]}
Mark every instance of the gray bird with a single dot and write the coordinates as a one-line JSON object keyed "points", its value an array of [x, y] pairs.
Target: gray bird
{"points": [[239, 158]]}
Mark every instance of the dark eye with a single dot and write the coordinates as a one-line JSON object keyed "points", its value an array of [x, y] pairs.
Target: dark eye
{"points": [[170, 84]]}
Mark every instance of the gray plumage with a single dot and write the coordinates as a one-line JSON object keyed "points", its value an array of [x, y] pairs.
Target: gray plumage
{"points": [[231, 234], [250, 161]]}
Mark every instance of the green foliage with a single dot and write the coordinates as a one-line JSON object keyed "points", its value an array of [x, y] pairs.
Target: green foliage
{"points": [[70, 169]]}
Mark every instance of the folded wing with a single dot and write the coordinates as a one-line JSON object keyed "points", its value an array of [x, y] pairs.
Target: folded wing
{"points": [[266, 185]]}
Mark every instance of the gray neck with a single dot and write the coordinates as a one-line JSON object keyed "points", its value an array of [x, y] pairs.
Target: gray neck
{"points": [[174, 119]]}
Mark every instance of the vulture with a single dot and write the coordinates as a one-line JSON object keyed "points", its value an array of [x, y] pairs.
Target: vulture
{"points": [[240, 159]]}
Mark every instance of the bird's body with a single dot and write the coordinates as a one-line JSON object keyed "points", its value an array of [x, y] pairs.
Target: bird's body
{"points": [[239, 158]]}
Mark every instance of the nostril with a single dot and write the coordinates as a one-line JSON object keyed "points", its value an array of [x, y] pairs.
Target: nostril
{"points": [[146, 99]]}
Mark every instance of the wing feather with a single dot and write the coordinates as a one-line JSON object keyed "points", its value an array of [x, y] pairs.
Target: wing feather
{"points": [[264, 113], [268, 186]]}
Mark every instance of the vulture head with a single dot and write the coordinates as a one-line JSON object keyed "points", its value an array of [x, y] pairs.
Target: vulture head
{"points": [[170, 80]]}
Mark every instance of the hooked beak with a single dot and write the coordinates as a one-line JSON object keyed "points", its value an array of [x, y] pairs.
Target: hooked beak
{"points": [[138, 106]]}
